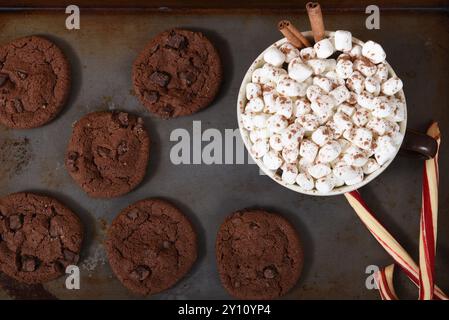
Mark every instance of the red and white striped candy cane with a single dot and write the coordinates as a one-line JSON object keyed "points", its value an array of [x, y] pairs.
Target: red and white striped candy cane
{"points": [[422, 276]]}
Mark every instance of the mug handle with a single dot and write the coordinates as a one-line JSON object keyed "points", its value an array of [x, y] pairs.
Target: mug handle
{"points": [[419, 145]]}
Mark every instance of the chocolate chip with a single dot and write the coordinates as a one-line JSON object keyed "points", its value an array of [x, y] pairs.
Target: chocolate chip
{"points": [[176, 41], [103, 152], [140, 273], [3, 78], [15, 222], [270, 272], [133, 214], [123, 119], [151, 96], [254, 226], [70, 256], [18, 105], [160, 78], [72, 156], [122, 148], [187, 77], [29, 264], [22, 74], [154, 49]]}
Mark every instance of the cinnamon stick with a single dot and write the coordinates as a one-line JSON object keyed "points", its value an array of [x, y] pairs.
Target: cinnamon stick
{"points": [[316, 20], [293, 34]]}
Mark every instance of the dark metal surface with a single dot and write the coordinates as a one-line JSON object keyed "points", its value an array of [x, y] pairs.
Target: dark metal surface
{"points": [[338, 247]]}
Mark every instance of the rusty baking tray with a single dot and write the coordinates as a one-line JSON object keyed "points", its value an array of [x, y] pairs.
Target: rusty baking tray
{"points": [[338, 248]]}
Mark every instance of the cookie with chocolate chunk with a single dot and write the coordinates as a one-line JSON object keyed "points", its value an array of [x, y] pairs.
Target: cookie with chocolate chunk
{"points": [[178, 73], [34, 82], [108, 153], [151, 245], [259, 255], [39, 237]]}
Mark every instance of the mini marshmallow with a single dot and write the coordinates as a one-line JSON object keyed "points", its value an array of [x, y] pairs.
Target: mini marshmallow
{"points": [[319, 170], [289, 51], [247, 121], [330, 64], [318, 65], [366, 67], [308, 121], [308, 150], [385, 149], [382, 72], [277, 123], [356, 82], [340, 94], [255, 105], [374, 52], [292, 136], [253, 90], [276, 142], [322, 135], [284, 106], [270, 102], [273, 73], [372, 85], [355, 156], [305, 181], [307, 53], [259, 134], [299, 71], [392, 86], [337, 131], [324, 117], [366, 100], [259, 76], [324, 83], [346, 109], [396, 137], [379, 126], [289, 173], [304, 164], [344, 68], [314, 92], [399, 110], [347, 172], [259, 148], [260, 120], [337, 181], [356, 51], [272, 161], [336, 80], [268, 88], [324, 48], [357, 179], [382, 107], [291, 88], [342, 121], [325, 184], [370, 166], [301, 106], [361, 117], [290, 155], [345, 144], [329, 152], [360, 137], [352, 100], [322, 105], [274, 56], [343, 40]]}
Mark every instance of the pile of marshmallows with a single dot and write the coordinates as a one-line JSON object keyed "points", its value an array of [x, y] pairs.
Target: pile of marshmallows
{"points": [[324, 122]]}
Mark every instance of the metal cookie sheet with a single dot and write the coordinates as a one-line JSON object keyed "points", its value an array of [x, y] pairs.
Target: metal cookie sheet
{"points": [[338, 248]]}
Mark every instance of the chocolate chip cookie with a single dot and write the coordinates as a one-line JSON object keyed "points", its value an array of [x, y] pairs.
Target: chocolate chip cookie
{"points": [[178, 73], [259, 255], [39, 237], [34, 82], [151, 245], [108, 153]]}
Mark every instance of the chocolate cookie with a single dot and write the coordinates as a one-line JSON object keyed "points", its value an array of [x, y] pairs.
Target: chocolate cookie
{"points": [[108, 153], [177, 74], [39, 237], [259, 255], [34, 82], [150, 246]]}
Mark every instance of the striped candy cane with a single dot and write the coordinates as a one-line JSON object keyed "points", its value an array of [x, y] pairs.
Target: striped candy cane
{"points": [[422, 276]]}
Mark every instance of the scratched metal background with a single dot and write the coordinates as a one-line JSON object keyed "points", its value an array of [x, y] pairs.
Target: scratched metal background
{"points": [[338, 248]]}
